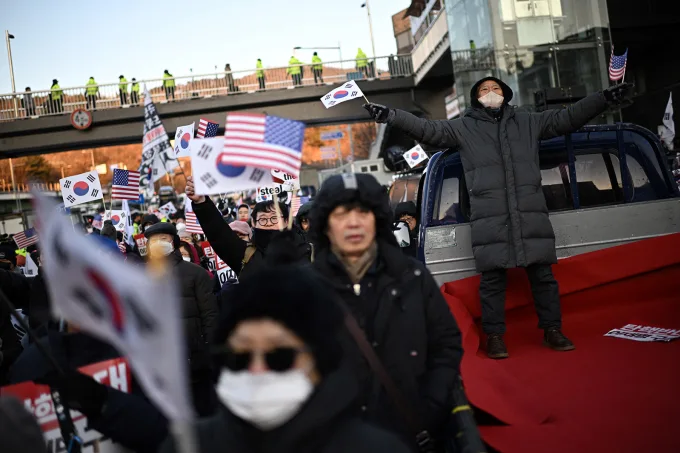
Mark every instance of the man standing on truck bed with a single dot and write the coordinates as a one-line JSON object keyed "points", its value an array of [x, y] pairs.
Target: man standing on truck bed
{"points": [[509, 217]]}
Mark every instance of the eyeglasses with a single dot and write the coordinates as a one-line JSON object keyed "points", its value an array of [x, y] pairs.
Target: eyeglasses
{"points": [[264, 221], [278, 359]]}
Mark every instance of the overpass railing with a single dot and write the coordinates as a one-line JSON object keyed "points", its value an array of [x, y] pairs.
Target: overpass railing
{"points": [[34, 104]]}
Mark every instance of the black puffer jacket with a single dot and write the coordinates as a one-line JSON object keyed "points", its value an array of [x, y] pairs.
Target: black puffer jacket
{"points": [[231, 248], [325, 424], [405, 317], [199, 308], [509, 216]]}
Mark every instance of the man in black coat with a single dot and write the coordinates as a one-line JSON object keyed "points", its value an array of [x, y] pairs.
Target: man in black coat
{"points": [[243, 257], [407, 212], [509, 217], [199, 309], [394, 299]]}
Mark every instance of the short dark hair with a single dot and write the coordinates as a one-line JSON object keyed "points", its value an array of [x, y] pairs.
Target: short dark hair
{"points": [[243, 206], [268, 206]]}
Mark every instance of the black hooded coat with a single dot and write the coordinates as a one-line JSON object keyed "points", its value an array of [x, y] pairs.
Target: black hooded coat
{"points": [[509, 216]]}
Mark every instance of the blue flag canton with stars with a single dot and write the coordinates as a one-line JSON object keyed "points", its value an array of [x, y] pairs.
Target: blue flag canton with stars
{"points": [[211, 130], [619, 60], [120, 177], [284, 132]]}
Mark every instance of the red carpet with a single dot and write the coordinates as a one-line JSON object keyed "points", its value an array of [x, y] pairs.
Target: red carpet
{"points": [[610, 394]]}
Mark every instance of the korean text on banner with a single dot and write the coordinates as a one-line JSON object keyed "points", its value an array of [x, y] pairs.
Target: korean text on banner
{"points": [[82, 188], [118, 218], [212, 175], [109, 299], [414, 156], [225, 274], [346, 92], [157, 154], [183, 137]]}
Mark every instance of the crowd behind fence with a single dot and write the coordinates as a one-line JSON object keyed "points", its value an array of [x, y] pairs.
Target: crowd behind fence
{"points": [[32, 104]]}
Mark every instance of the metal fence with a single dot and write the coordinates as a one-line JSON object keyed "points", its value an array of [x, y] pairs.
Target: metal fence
{"points": [[34, 104]]}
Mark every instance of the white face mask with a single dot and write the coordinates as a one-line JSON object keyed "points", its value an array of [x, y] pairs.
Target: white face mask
{"points": [[186, 258], [161, 248], [491, 100], [266, 400]]}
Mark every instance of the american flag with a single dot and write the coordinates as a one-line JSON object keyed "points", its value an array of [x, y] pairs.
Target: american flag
{"points": [[192, 223], [121, 247], [125, 185], [258, 140], [26, 238], [617, 65], [206, 129]]}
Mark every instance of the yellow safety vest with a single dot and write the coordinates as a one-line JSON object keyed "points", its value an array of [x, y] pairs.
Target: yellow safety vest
{"points": [[168, 80], [135, 87], [259, 72], [293, 70], [362, 62], [316, 59], [56, 92], [122, 85], [92, 88]]}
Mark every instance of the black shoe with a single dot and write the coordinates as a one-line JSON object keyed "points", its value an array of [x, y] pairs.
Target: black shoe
{"points": [[495, 347], [555, 339]]}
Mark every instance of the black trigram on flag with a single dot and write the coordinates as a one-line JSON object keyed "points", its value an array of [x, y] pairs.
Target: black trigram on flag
{"points": [[257, 175], [205, 151], [94, 192], [91, 178], [71, 198], [354, 93], [208, 180], [331, 103], [328, 96], [67, 184], [349, 85]]}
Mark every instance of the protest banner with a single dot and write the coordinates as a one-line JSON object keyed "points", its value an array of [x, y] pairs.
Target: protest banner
{"points": [[224, 272], [157, 154], [141, 241], [37, 400]]}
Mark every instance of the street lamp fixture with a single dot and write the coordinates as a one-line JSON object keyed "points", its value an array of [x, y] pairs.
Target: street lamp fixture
{"points": [[370, 25], [321, 48], [9, 36]]}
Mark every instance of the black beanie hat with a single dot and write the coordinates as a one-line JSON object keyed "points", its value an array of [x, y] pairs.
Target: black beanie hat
{"points": [[406, 208], [108, 230], [150, 218], [301, 303]]}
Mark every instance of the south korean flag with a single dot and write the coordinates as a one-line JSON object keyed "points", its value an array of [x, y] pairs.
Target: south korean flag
{"points": [[213, 175], [81, 188], [346, 92], [414, 156]]}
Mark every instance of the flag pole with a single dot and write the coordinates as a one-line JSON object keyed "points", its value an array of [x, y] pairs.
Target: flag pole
{"points": [[277, 208], [290, 211]]}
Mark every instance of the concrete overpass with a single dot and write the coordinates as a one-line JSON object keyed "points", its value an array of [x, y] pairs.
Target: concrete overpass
{"points": [[116, 126]]}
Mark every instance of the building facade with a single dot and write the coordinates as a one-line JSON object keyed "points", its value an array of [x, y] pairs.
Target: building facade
{"points": [[529, 44]]}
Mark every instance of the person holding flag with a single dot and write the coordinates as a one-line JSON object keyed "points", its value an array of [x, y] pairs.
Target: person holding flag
{"points": [[510, 224]]}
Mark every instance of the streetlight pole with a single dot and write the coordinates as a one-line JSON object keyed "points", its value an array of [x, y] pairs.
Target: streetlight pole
{"points": [[9, 36], [370, 26], [319, 48]]}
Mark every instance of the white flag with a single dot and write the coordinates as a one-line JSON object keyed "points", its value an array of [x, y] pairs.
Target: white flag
{"points": [[81, 188], [136, 312], [31, 268], [668, 134], [414, 156], [183, 137], [118, 218], [212, 175], [158, 157], [167, 209], [346, 92], [129, 228]]}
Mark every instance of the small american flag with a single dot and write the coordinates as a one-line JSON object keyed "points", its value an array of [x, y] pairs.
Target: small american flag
{"points": [[617, 65], [206, 129], [125, 185], [26, 238], [121, 247], [192, 223], [263, 141]]}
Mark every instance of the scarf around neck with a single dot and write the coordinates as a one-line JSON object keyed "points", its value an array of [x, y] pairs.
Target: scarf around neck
{"points": [[358, 269]]}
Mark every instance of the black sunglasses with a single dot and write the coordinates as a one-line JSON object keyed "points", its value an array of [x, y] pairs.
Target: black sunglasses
{"points": [[278, 359]]}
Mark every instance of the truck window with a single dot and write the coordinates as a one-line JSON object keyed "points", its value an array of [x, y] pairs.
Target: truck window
{"points": [[598, 184], [556, 181], [447, 207], [642, 187]]}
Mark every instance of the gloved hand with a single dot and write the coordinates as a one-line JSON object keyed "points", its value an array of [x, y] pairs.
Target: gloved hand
{"points": [[79, 391], [620, 94], [378, 112]]}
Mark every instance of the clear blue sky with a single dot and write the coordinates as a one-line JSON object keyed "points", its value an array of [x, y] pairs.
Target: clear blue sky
{"points": [[72, 41]]}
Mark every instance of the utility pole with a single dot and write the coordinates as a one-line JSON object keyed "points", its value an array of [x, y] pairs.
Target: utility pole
{"points": [[370, 27], [9, 36]]}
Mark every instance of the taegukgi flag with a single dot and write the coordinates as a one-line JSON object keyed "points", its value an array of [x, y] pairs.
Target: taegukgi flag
{"points": [[346, 92], [81, 188], [118, 218], [183, 137], [414, 156], [213, 175], [109, 299]]}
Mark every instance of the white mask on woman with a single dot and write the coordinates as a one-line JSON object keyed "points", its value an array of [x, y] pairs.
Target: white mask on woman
{"points": [[266, 400], [491, 100], [186, 258]]}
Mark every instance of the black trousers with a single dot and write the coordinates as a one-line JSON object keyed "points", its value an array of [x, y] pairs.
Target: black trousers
{"points": [[543, 287], [134, 97], [91, 101], [170, 93], [260, 80], [317, 74], [123, 97], [297, 79]]}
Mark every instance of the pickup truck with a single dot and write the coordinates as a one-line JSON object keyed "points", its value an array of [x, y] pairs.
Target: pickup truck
{"points": [[604, 185], [615, 207]]}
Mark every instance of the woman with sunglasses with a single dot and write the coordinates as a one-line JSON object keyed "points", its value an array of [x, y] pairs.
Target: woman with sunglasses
{"points": [[281, 383]]}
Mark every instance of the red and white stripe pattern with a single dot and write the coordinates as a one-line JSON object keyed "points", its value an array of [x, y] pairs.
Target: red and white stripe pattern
{"points": [[26, 238], [206, 128], [192, 223], [121, 247], [125, 185], [263, 141]]}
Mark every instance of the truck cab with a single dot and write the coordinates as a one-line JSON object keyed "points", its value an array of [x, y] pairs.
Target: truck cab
{"points": [[604, 185]]}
